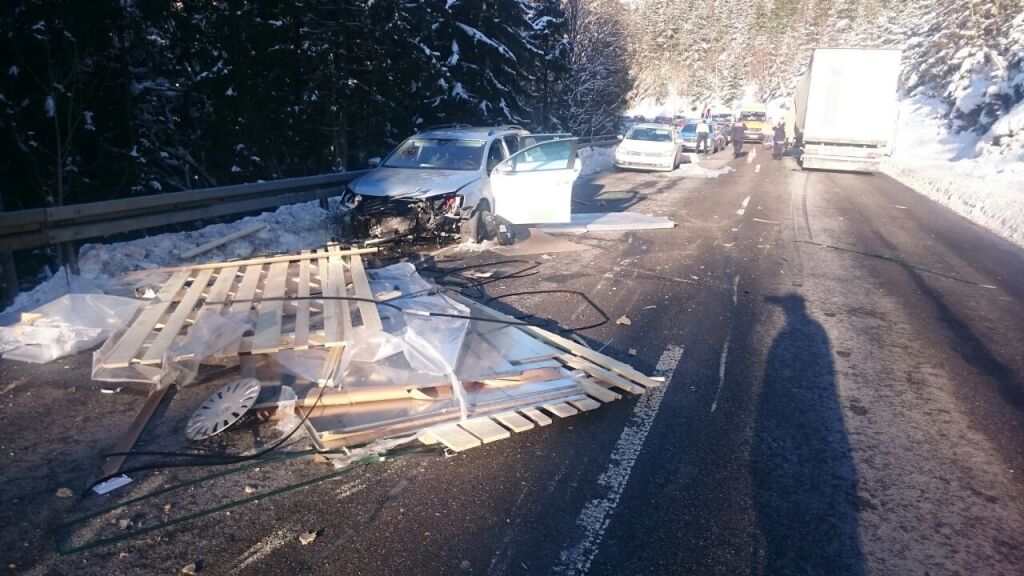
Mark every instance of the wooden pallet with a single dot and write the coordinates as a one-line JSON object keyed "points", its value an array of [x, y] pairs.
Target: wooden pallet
{"points": [[283, 295]]}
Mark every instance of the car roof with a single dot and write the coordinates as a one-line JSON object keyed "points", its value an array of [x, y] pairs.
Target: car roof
{"points": [[650, 125], [472, 132]]}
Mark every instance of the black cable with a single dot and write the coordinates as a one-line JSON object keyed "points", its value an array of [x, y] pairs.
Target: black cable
{"points": [[227, 460], [604, 316]]}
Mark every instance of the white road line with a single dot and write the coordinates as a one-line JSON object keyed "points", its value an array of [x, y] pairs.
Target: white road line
{"points": [[757, 168], [596, 514], [735, 288], [721, 369], [263, 548], [765, 221], [743, 206]]}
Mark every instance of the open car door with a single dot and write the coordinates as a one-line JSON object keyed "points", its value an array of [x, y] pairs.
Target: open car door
{"points": [[534, 186]]}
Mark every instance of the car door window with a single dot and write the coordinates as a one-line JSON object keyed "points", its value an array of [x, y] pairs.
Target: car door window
{"points": [[495, 155], [552, 155]]}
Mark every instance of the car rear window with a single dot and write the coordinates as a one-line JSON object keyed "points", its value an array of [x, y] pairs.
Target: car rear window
{"points": [[438, 153], [650, 134]]}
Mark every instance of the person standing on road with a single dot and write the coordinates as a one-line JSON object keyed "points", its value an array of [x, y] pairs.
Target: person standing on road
{"points": [[703, 131], [779, 144], [737, 133]]}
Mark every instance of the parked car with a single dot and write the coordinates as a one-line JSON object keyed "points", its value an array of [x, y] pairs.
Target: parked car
{"points": [[463, 181], [649, 147], [666, 120], [688, 136]]}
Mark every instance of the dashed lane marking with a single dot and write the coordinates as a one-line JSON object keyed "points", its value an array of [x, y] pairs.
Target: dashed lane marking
{"points": [[743, 206], [596, 514]]}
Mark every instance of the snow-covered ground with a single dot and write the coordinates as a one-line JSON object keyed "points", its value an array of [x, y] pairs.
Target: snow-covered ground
{"points": [[980, 177], [289, 229]]}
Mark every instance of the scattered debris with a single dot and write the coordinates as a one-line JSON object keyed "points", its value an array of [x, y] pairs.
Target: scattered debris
{"points": [[624, 321], [110, 390], [610, 221], [111, 484], [65, 493], [190, 569], [632, 351], [249, 489], [307, 538], [125, 523], [222, 241]]}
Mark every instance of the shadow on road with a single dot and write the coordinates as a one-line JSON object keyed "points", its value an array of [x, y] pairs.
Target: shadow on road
{"points": [[803, 476]]}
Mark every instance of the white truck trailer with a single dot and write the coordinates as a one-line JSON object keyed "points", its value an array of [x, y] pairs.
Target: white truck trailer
{"points": [[846, 108]]}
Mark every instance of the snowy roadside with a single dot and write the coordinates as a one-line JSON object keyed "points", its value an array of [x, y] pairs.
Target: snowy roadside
{"points": [[968, 173], [289, 229]]}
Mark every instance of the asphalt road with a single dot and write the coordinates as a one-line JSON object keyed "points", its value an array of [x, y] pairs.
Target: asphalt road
{"points": [[845, 396]]}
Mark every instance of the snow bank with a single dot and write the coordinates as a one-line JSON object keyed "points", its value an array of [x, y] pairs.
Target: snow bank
{"points": [[596, 159], [971, 174], [693, 169], [289, 229]]}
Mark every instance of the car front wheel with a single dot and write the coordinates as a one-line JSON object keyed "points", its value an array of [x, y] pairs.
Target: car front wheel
{"points": [[479, 227]]}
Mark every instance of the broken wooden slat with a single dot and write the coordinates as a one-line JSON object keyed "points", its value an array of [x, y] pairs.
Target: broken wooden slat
{"points": [[557, 341], [302, 308], [585, 404], [361, 286], [485, 429], [165, 338], [337, 313], [601, 374], [222, 240], [214, 301], [540, 418], [561, 409], [514, 422], [517, 347], [268, 324], [454, 438], [123, 352], [242, 300], [597, 391], [251, 261]]}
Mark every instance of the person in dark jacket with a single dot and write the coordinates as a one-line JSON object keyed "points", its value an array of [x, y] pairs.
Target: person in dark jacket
{"points": [[737, 133], [779, 141]]}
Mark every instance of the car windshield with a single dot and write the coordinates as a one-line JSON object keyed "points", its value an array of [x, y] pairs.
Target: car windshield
{"points": [[753, 116], [438, 153], [690, 127], [648, 134]]}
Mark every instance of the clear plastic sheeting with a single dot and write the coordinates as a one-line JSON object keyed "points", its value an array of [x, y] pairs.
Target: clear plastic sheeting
{"points": [[68, 325], [287, 419], [208, 336]]}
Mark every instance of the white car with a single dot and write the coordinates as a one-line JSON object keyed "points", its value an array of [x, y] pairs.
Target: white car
{"points": [[463, 180], [649, 147]]}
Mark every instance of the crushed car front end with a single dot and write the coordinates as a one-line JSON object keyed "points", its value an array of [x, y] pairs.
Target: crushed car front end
{"points": [[375, 219]]}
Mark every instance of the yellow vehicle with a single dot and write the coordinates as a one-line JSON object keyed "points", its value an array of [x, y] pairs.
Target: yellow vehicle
{"points": [[755, 118]]}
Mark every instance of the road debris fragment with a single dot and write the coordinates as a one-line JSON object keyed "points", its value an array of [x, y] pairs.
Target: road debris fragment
{"points": [[307, 538], [624, 321]]}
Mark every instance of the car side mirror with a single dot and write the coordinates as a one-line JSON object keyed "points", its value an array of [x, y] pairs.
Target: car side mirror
{"points": [[374, 162], [619, 137]]}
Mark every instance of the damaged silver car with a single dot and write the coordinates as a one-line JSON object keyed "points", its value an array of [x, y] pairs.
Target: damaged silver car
{"points": [[443, 183]]}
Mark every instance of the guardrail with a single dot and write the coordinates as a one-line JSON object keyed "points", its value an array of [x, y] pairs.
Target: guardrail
{"points": [[25, 229]]}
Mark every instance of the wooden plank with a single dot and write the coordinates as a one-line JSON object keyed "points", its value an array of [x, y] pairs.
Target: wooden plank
{"points": [[242, 299], [514, 422], [222, 240], [540, 418], [595, 390], [585, 404], [123, 352], [252, 261], [601, 374], [214, 301], [455, 438], [268, 324], [361, 286], [165, 338], [593, 356], [337, 314], [302, 308], [561, 409], [485, 429], [113, 463]]}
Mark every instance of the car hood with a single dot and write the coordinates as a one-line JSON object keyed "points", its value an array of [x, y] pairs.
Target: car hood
{"points": [[411, 182], [627, 146]]}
